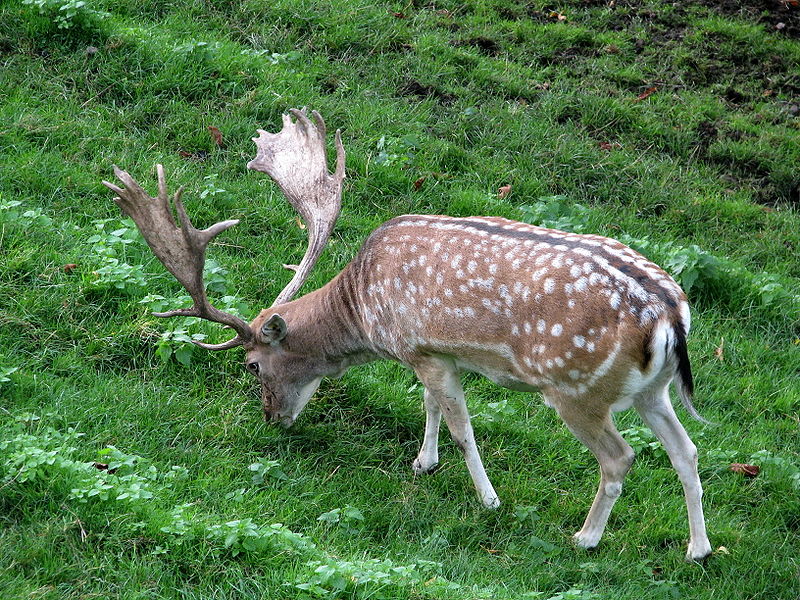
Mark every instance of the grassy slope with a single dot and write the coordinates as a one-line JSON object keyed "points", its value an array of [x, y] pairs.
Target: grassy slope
{"points": [[493, 93]]}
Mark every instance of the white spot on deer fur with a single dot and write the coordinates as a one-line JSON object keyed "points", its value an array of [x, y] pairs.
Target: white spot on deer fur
{"points": [[469, 311], [549, 363], [422, 260], [526, 293], [471, 266], [456, 261], [411, 287], [527, 327], [516, 263], [549, 285], [537, 275], [571, 303], [559, 361], [484, 284], [542, 259], [489, 305], [556, 329], [558, 261], [505, 295], [574, 374], [590, 347], [437, 246], [448, 292], [439, 278], [460, 274], [568, 354], [579, 341], [398, 283], [568, 288], [575, 271], [428, 270], [581, 284], [540, 325], [515, 330], [493, 268], [615, 300]]}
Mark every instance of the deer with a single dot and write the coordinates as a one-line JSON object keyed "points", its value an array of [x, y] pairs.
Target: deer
{"points": [[592, 325]]}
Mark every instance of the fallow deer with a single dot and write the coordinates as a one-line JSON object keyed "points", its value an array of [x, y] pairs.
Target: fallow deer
{"points": [[593, 325]]}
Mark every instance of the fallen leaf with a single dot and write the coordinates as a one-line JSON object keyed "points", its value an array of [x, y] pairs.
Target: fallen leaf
{"points": [[398, 15], [69, 268], [746, 470], [200, 155], [504, 191], [767, 93], [291, 267], [646, 94], [418, 183], [103, 467], [557, 15], [723, 550], [780, 26], [217, 135], [607, 145], [720, 349], [300, 223]]}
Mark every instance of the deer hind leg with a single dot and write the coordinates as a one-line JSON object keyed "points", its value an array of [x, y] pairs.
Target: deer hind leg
{"points": [[443, 387], [598, 433], [657, 412], [428, 458]]}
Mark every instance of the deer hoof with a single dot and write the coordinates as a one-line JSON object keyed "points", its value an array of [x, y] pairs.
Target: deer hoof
{"points": [[421, 469]]}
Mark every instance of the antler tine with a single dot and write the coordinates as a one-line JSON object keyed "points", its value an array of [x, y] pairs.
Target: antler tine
{"points": [[180, 248], [296, 160]]}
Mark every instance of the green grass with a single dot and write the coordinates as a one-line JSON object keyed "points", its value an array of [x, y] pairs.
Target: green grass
{"points": [[469, 96]]}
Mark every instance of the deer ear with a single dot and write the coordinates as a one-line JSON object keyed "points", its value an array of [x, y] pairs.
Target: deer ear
{"points": [[274, 329]]}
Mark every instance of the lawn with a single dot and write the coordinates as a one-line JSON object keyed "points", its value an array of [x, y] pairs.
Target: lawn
{"points": [[135, 465]]}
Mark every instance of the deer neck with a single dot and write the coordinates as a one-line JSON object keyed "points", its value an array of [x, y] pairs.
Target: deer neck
{"points": [[325, 323]]}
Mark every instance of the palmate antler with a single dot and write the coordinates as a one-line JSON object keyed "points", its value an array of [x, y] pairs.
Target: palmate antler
{"points": [[295, 158], [180, 247]]}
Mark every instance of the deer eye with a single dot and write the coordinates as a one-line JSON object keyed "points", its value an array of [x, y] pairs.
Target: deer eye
{"points": [[253, 367]]}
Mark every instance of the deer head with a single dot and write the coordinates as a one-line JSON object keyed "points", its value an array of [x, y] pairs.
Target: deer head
{"points": [[296, 159]]}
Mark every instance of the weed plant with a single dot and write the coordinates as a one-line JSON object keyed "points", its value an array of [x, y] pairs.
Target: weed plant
{"points": [[133, 465]]}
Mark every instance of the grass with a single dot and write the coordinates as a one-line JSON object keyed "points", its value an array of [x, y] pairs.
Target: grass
{"points": [[461, 97]]}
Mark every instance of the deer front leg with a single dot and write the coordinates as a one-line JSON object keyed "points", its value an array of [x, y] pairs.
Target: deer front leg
{"points": [[443, 386], [428, 458]]}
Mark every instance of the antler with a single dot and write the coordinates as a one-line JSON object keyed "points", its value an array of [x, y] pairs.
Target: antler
{"points": [[181, 248], [295, 158]]}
